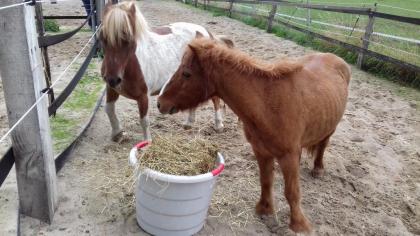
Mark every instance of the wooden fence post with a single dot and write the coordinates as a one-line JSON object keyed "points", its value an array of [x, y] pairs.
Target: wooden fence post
{"points": [[271, 17], [308, 14], [366, 37], [231, 8], [195, 3], [23, 79]]}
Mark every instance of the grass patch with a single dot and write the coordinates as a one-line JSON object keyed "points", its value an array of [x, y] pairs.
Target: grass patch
{"points": [[51, 25], [85, 95], [78, 106], [63, 131]]}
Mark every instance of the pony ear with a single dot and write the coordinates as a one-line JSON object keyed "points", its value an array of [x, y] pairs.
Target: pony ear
{"points": [[133, 9], [198, 35], [225, 40], [193, 48], [108, 6]]}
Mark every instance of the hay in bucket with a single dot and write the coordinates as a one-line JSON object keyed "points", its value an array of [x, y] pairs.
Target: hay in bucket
{"points": [[178, 156]]}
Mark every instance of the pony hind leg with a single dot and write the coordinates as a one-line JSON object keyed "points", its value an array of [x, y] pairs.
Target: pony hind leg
{"points": [[218, 117], [318, 152], [289, 165], [111, 97]]}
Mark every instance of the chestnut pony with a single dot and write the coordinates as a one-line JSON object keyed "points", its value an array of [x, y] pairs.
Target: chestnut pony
{"points": [[284, 107], [139, 60]]}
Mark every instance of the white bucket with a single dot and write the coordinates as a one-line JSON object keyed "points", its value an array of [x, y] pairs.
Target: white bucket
{"points": [[172, 205]]}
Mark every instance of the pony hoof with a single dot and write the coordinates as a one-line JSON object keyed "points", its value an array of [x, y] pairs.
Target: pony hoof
{"points": [[264, 208], [317, 172], [187, 126], [301, 226], [119, 137], [219, 129]]}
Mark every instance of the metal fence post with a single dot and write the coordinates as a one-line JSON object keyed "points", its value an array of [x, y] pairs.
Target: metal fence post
{"points": [[93, 17], [100, 5]]}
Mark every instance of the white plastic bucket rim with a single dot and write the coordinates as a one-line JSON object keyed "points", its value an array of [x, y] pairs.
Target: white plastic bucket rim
{"points": [[175, 178]]}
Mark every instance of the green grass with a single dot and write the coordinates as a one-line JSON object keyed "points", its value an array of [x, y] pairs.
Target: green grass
{"points": [[78, 106], [63, 131], [51, 25], [85, 96], [383, 69]]}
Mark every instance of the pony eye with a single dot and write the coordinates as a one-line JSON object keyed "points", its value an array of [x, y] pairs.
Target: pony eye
{"points": [[186, 75]]}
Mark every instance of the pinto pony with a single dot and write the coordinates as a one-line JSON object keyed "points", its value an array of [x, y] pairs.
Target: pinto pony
{"points": [[139, 60], [285, 107]]}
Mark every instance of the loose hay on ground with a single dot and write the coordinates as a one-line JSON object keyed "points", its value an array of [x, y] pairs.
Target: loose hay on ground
{"points": [[176, 155]]}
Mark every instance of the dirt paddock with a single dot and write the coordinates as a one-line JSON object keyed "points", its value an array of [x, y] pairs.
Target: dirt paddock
{"points": [[372, 180]]}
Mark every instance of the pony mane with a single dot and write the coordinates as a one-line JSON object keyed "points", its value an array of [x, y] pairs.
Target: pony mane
{"points": [[117, 28], [221, 54]]}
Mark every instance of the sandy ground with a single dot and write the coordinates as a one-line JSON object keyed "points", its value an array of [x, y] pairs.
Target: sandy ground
{"points": [[371, 187]]}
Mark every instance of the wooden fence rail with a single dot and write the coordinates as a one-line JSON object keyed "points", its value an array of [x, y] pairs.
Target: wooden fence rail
{"points": [[362, 51], [338, 9]]}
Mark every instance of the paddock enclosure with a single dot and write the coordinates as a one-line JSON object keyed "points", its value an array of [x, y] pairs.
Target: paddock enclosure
{"points": [[372, 180]]}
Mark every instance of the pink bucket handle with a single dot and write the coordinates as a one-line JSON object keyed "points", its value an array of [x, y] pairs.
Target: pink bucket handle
{"points": [[142, 144], [218, 170]]}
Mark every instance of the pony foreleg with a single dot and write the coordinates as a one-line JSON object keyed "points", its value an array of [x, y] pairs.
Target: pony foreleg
{"points": [[143, 104], [289, 165], [190, 119], [111, 98], [218, 117]]}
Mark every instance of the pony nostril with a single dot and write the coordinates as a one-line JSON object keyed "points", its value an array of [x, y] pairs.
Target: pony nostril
{"points": [[158, 105], [114, 81]]}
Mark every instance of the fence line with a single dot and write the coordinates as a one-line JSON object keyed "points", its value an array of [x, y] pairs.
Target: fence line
{"points": [[60, 77], [399, 8], [327, 31], [338, 9], [13, 5], [396, 49], [39, 1], [409, 40], [349, 10]]}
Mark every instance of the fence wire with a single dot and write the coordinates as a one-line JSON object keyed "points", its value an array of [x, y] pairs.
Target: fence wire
{"points": [[45, 94]]}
